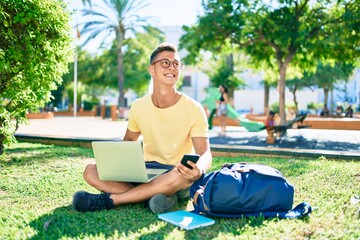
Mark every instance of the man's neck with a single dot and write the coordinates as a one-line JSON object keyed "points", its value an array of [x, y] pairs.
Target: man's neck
{"points": [[164, 98]]}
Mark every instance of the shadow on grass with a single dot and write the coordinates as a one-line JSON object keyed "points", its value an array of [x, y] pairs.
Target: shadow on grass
{"points": [[133, 221], [22, 154], [64, 222]]}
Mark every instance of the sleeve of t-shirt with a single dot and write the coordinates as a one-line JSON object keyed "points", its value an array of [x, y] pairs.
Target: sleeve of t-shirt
{"points": [[200, 124], [132, 125]]}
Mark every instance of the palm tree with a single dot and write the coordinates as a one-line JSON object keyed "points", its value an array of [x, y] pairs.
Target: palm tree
{"points": [[113, 20]]}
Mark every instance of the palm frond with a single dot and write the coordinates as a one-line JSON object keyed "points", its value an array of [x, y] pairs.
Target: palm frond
{"points": [[109, 20], [92, 13], [111, 15], [106, 34], [93, 34], [99, 22], [92, 26], [136, 6], [84, 2]]}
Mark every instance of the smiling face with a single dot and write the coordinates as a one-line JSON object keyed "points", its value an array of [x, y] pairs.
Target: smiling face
{"points": [[161, 75]]}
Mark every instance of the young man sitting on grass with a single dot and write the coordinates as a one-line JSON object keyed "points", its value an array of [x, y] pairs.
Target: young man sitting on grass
{"points": [[171, 124]]}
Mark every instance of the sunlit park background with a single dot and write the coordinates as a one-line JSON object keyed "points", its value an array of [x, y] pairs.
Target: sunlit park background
{"points": [[89, 58], [286, 56]]}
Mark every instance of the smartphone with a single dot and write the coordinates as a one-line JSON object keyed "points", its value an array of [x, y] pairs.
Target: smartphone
{"points": [[189, 157]]}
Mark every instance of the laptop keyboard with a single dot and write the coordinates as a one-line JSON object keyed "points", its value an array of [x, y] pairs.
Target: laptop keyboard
{"points": [[151, 175]]}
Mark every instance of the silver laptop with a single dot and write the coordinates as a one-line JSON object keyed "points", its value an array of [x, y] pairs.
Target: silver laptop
{"points": [[122, 161]]}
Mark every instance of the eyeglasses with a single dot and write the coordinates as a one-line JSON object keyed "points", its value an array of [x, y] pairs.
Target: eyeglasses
{"points": [[165, 63]]}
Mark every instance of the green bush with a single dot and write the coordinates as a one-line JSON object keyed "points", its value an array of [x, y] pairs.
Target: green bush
{"points": [[315, 106], [35, 49], [275, 107]]}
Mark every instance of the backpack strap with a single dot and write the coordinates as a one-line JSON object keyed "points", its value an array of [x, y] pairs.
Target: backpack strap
{"points": [[303, 209], [201, 191], [196, 195]]}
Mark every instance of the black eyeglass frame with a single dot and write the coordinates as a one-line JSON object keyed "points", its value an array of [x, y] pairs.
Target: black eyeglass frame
{"points": [[176, 65]]}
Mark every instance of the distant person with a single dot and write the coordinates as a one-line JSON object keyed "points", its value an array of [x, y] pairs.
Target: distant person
{"points": [[269, 124], [325, 111], [349, 112], [222, 108], [291, 114], [270, 120], [277, 119], [339, 110], [171, 124]]}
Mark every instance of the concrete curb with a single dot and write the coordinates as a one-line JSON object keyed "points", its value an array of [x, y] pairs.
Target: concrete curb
{"points": [[217, 149], [225, 150]]}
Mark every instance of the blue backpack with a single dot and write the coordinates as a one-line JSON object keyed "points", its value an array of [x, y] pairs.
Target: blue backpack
{"points": [[243, 190]]}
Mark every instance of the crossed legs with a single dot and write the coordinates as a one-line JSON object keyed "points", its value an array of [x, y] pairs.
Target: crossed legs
{"points": [[124, 193]]}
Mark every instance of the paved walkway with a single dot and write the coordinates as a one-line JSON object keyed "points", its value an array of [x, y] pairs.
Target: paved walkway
{"points": [[338, 144]]}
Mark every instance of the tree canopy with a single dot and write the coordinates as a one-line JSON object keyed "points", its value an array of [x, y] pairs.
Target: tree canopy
{"points": [[278, 33], [327, 75], [35, 48], [113, 19], [99, 72]]}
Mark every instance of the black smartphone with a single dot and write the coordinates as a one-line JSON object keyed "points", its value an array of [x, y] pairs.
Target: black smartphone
{"points": [[189, 157]]}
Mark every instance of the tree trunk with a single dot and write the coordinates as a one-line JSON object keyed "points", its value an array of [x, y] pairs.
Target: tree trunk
{"points": [[2, 138], [326, 97], [332, 107], [120, 33], [231, 93], [281, 89], [295, 100], [230, 61], [281, 84], [266, 97], [120, 60]]}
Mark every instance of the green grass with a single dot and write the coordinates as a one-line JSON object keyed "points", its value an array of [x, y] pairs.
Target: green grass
{"points": [[37, 183]]}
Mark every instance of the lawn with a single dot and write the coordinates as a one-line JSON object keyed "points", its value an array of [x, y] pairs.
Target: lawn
{"points": [[37, 183]]}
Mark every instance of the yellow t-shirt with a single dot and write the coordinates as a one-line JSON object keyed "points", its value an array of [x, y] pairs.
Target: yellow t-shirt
{"points": [[167, 132]]}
